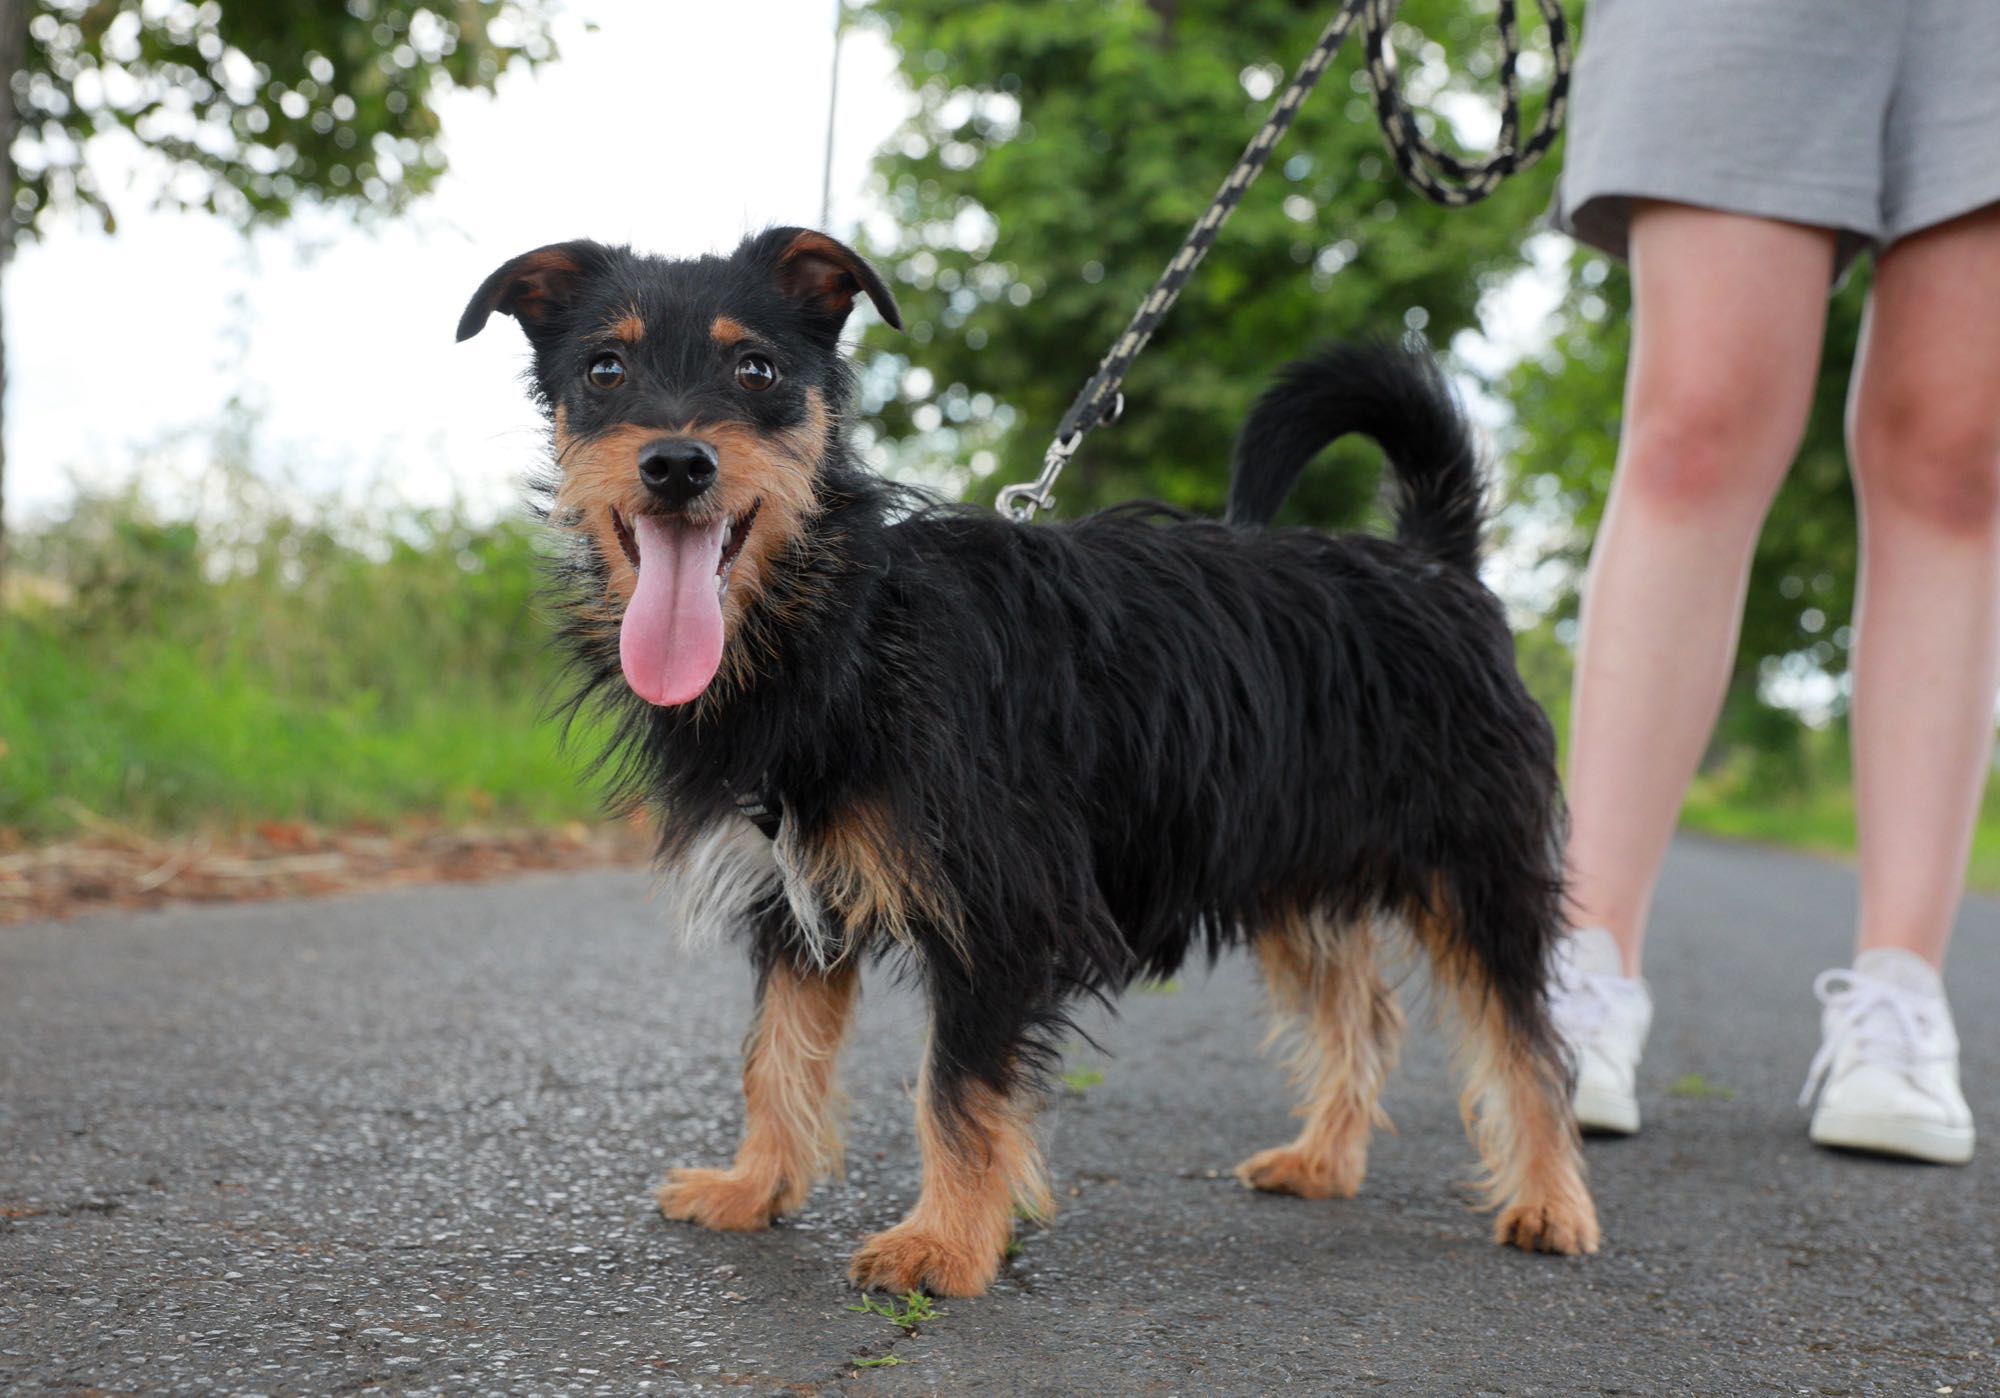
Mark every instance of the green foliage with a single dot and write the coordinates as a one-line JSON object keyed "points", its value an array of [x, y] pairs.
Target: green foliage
{"points": [[268, 667], [256, 105], [1568, 406], [1059, 154]]}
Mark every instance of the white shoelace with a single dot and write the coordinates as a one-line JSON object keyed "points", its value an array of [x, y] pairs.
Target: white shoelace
{"points": [[1887, 1024]]}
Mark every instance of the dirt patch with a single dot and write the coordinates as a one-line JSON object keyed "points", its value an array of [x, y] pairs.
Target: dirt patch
{"points": [[111, 868]]}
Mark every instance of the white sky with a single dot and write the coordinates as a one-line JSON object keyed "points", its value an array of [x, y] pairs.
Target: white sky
{"points": [[678, 126]]}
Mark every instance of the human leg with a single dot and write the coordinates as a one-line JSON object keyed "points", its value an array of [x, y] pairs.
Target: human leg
{"points": [[1727, 317], [1924, 440]]}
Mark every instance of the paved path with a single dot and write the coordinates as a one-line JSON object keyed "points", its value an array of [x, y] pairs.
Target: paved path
{"points": [[406, 1141]]}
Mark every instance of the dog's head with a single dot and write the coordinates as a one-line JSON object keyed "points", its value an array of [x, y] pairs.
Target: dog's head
{"points": [[693, 403]]}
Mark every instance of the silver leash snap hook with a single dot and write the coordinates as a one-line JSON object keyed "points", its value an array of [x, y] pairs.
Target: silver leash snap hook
{"points": [[1021, 501]]}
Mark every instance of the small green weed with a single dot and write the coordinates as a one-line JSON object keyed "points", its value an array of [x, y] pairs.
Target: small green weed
{"points": [[887, 1361], [1170, 986], [1081, 1080], [915, 1309], [1698, 1088]]}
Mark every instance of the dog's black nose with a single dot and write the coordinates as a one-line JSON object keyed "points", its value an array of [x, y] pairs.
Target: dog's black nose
{"points": [[676, 469]]}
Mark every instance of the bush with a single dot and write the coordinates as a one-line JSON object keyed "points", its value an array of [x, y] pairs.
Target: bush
{"points": [[263, 664]]}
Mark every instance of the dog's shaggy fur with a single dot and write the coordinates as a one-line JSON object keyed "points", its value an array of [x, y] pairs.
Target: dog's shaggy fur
{"points": [[1038, 763]]}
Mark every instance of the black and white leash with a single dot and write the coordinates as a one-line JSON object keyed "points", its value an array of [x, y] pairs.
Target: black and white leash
{"points": [[1437, 175]]}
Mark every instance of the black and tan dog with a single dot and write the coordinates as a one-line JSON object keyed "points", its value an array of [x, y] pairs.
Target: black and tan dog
{"points": [[1037, 763]]}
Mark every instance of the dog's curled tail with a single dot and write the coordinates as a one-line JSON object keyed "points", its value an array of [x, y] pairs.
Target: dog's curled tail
{"points": [[1395, 394]]}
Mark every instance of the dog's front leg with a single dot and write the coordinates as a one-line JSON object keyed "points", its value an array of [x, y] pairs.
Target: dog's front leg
{"points": [[791, 1136], [980, 1162]]}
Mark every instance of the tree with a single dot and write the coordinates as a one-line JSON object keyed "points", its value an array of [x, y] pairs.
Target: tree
{"points": [[1057, 156], [253, 108]]}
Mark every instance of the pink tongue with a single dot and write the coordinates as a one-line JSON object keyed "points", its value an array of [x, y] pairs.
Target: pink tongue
{"points": [[671, 641]]}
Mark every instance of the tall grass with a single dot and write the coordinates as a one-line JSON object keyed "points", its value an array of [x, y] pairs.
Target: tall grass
{"points": [[248, 660], [266, 664]]}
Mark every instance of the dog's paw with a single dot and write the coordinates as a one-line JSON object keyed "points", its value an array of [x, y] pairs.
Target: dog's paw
{"points": [[908, 1258], [730, 1200], [1289, 1170], [1565, 1226]]}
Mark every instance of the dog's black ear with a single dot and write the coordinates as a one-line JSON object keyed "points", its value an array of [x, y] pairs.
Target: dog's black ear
{"points": [[821, 273], [534, 285]]}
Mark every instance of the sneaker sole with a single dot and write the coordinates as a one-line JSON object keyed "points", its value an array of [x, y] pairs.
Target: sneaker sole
{"points": [[1891, 1135], [1606, 1113]]}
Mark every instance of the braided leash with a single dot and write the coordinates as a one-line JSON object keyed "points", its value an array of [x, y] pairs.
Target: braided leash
{"points": [[1437, 175]]}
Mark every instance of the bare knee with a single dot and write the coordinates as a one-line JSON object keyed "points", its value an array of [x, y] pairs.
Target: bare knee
{"points": [[1695, 456], [1932, 464]]}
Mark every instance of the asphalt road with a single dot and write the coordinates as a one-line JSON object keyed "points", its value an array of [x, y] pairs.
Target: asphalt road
{"points": [[406, 1141]]}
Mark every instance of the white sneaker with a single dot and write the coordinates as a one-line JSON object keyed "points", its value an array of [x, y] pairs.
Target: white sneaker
{"points": [[1887, 1070], [1602, 1016]]}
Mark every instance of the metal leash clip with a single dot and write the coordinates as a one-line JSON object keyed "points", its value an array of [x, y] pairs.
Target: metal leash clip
{"points": [[1019, 502]]}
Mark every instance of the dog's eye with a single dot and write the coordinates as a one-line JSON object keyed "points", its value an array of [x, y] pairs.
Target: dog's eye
{"points": [[755, 372], [607, 371]]}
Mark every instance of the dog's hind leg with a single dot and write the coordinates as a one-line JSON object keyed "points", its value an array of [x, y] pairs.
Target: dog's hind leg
{"points": [[791, 1135], [981, 1165], [1487, 948], [1327, 995]]}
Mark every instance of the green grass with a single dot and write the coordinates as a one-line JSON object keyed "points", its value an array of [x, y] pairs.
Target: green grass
{"points": [[1695, 1087], [274, 664], [1080, 1080], [911, 1311], [166, 680], [1820, 819], [157, 738]]}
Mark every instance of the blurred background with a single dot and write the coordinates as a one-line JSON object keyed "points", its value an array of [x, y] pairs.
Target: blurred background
{"points": [[265, 569]]}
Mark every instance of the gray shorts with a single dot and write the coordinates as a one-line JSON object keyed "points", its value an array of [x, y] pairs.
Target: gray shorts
{"points": [[1873, 117]]}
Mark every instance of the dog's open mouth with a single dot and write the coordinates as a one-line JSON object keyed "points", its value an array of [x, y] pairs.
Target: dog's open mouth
{"points": [[670, 641], [737, 532]]}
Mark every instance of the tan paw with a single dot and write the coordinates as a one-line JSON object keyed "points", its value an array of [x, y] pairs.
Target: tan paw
{"points": [[1564, 1226], [908, 1258], [724, 1199], [1289, 1170]]}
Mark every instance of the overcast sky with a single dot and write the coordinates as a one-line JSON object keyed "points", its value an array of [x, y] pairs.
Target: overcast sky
{"points": [[676, 127]]}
